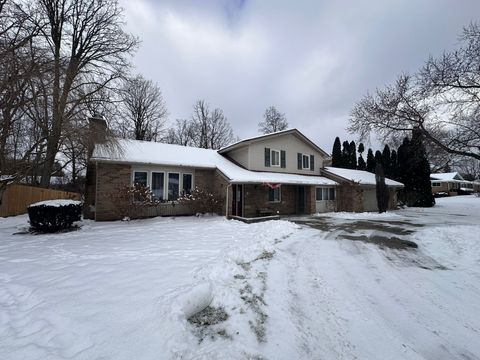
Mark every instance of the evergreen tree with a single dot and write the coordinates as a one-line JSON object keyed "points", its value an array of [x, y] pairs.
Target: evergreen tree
{"points": [[345, 154], [394, 165], [414, 172], [378, 158], [386, 156], [381, 188], [352, 163], [337, 153], [361, 164], [421, 172], [370, 161]]}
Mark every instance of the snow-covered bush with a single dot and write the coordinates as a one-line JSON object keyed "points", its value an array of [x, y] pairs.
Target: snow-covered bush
{"points": [[201, 201], [54, 215], [130, 200]]}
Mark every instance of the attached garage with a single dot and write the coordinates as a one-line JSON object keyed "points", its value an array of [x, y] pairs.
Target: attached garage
{"points": [[369, 199]]}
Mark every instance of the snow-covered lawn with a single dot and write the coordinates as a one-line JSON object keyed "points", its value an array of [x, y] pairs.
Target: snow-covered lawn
{"points": [[326, 287]]}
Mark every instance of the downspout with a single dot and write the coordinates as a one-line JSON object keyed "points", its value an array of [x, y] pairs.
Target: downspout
{"points": [[226, 201]]}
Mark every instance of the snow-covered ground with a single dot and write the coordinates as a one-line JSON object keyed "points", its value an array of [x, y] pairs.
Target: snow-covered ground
{"points": [[326, 287]]}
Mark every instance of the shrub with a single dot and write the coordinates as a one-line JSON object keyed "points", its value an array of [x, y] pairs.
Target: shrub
{"points": [[54, 215], [202, 201], [130, 201]]}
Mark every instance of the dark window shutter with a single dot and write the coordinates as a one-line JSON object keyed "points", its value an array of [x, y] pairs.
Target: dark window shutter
{"points": [[267, 157], [283, 161], [299, 161], [270, 194], [312, 162]]}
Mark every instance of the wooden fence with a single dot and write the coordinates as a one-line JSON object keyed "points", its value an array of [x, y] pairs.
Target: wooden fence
{"points": [[17, 197]]}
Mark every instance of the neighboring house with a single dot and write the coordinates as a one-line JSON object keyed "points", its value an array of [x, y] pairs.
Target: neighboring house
{"points": [[278, 173], [451, 184]]}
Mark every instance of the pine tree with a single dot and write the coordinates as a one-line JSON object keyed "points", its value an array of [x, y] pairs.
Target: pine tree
{"points": [[378, 158], [414, 172], [370, 161], [361, 165], [352, 156], [337, 153], [394, 165], [345, 154], [381, 188], [386, 156], [421, 172]]}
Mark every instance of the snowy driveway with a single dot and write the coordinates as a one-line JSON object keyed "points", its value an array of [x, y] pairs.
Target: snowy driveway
{"points": [[330, 289]]}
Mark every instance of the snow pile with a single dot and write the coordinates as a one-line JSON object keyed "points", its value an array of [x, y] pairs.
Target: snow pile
{"points": [[56, 203]]}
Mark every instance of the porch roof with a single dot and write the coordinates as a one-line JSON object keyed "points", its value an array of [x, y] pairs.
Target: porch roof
{"points": [[153, 153]]}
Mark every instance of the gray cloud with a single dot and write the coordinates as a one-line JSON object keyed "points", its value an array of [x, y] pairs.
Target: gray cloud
{"points": [[311, 59]]}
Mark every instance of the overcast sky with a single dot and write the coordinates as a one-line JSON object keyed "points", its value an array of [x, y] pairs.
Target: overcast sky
{"points": [[311, 59]]}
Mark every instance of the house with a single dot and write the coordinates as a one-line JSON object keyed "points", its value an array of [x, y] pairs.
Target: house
{"points": [[272, 174], [450, 184]]}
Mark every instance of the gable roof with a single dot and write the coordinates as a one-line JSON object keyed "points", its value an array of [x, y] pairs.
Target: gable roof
{"points": [[358, 176], [250, 140], [446, 176], [153, 153]]}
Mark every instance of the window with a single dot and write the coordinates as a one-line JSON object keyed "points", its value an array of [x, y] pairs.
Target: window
{"points": [[436, 184], [306, 161], [274, 195], [325, 193], [173, 186], [158, 179], [186, 183], [275, 157], [140, 178]]}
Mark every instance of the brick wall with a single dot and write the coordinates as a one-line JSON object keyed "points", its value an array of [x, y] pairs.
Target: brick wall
{"points": [[110, 177], [90, 190], [256, 197], [349, 197]]}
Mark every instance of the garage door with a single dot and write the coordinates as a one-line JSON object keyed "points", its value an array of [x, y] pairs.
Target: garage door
{"points": [[370, 200]]}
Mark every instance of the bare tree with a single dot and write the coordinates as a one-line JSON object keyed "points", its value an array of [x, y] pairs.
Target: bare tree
{"points": [[442, 101], [143, 109], [210, 129], [87, 43], [180, 134], [273, 121]]}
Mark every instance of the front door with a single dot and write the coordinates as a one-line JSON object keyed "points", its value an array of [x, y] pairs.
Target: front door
{"points": [[300, 199], [237, 203]]}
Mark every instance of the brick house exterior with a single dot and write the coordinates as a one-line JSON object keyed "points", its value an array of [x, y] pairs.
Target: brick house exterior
{"points": [[275, 174]]}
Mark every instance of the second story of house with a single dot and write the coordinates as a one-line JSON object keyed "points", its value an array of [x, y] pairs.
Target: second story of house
{"points": [[287, 151]]}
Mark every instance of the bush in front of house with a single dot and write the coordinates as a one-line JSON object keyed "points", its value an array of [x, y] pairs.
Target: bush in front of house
{"points": [[202, 202], [54, 215]]}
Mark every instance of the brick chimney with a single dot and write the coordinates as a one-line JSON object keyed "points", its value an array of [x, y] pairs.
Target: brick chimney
{"points": [[97, 129]]}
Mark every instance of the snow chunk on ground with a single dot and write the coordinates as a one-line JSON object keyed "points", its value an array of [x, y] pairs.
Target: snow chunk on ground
{"points": [[56, 203]]}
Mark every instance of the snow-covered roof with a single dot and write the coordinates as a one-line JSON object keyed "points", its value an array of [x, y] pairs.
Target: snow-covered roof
{"points": [[143, 152], [446, 176], [293, 131], [359, 176]]}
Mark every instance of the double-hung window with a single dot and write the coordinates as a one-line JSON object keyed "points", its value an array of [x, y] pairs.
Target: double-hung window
{"points": [[275, 157], [306, 161], [325, 193], [186, 184], [173, 186], [275, 195], [158, 184], [140, 178]]}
